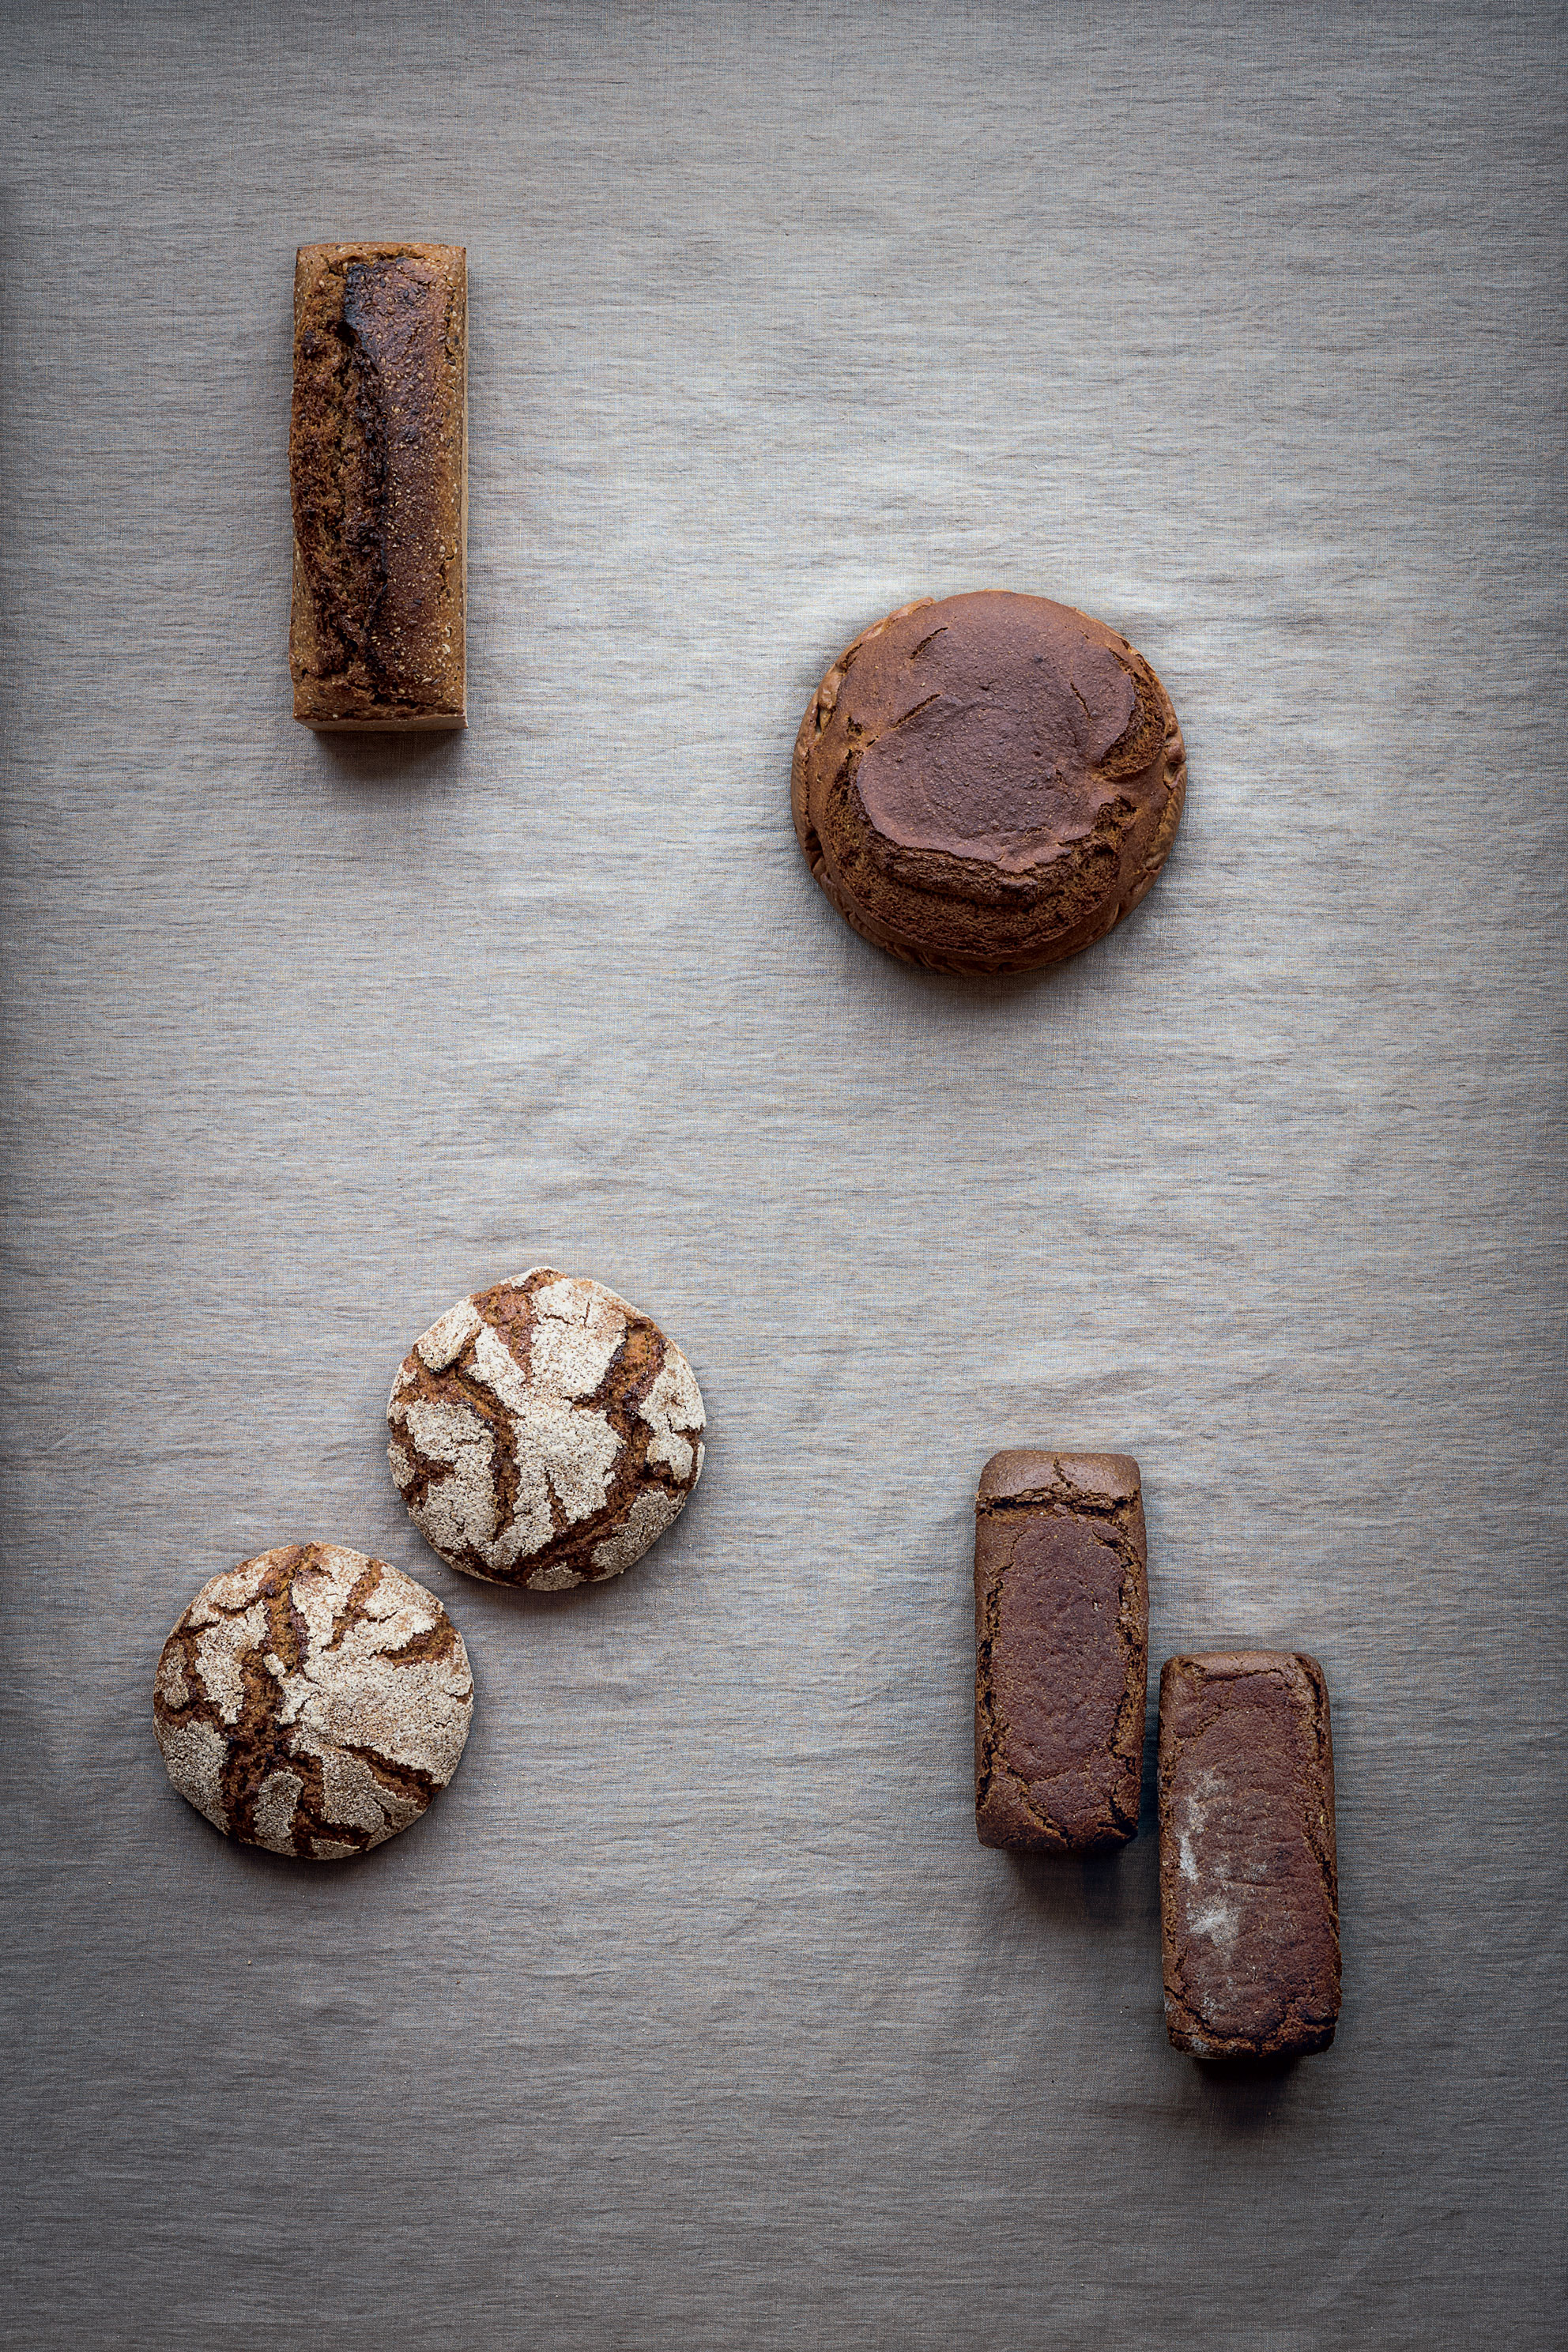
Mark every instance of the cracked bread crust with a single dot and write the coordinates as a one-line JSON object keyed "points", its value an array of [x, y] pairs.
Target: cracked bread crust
{"points": [[1248, 1875], [545, 1433], [312, 1701], [987, 783], [1061, 1650], [378, 473]]}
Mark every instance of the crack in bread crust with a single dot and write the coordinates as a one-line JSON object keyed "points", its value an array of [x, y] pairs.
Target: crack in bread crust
{"points": [[543, 1432], [378, 470], [312, 1701]]}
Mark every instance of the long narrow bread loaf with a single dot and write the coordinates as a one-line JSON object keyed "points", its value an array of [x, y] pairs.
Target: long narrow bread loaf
{"points": [[378, 471]]}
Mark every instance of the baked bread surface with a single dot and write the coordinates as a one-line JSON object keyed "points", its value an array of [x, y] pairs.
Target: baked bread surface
{"points": [[312, 1701], [544, 1433], [378, 474], [1061, 1650], [988, 782], [1248, 1877]]}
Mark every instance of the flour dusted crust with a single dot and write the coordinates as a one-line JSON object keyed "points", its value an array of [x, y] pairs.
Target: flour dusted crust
{"points": [[543, 1432], [378, 473], [312, 1701], [987, 783]]}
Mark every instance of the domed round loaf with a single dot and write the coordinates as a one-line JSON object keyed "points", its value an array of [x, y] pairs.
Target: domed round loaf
{"points": [[543, 1432], [312, 1701], [988, 782]]}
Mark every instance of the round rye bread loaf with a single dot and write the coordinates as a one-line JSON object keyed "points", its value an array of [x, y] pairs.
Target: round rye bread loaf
{"points": [[988, 782], [312, 1701], [543, 1432]]}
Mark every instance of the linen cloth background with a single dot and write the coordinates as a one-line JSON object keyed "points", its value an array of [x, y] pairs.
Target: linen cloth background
{"points": [[693, 2015]]}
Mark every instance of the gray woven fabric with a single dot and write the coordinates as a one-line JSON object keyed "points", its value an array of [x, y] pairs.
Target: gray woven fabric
{"points": [[693, 2016]]}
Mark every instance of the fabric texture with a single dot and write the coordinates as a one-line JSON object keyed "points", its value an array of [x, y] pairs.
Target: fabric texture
{"points": [[693, 2014]]}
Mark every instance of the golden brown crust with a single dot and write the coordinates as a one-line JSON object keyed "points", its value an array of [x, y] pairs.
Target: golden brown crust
{"points": [[378, 471], [935, 863], [1061, 1650]]}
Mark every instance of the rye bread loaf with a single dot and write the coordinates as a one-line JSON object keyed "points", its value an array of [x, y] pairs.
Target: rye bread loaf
{"points": [[543, 1432], [988, 782], [312, 1701], [1061, 1650], [1249, 1875], [378, 471]]}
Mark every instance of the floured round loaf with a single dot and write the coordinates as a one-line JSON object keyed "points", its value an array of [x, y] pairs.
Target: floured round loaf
{"points": [[312, 1701], [988, 782], [543, 1432]]}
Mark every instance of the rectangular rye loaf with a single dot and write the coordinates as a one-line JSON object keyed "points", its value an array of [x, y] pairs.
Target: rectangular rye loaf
{"points": [[1248, 1884], [378, 473], [1061, 1650]]}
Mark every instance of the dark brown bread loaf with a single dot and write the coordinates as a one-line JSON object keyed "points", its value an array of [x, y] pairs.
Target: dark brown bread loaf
{"points": [[1249, 1887], [312, 1701], [1061, 1644], [987, 783], [378, 468], [543, 1432]]}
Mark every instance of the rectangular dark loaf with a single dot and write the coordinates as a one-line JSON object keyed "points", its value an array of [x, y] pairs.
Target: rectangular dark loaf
{"points": [[378, 471], [1061, 1650], [1249, 1886]]}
